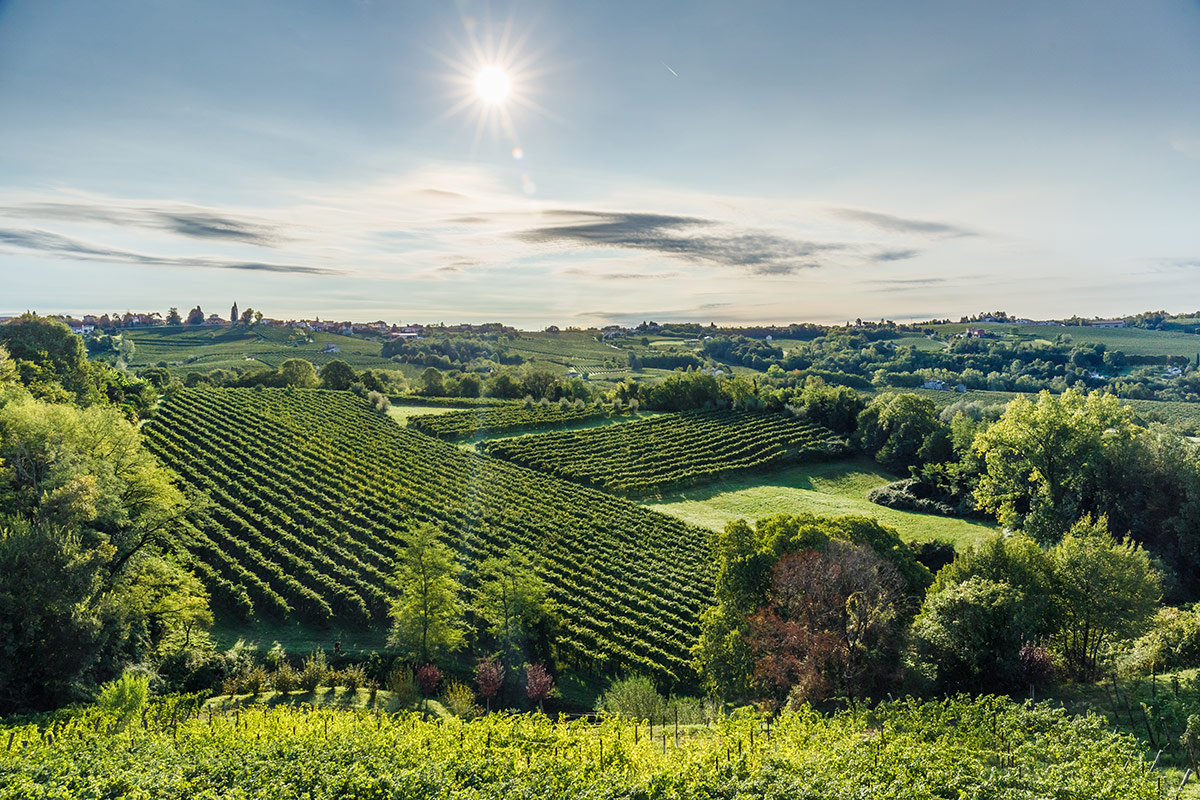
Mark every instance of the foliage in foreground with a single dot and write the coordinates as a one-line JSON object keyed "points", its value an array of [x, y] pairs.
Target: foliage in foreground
{"points": [[989, 747]]}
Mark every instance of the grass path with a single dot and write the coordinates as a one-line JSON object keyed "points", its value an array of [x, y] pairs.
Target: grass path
{"points": [[831, 489]]}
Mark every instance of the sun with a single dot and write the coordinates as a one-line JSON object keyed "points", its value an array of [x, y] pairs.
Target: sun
{"points": [[492, 85]]}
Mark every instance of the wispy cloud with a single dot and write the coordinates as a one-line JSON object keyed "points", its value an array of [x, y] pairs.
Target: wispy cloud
{"points": [[616, 276], [894, 255], [1186, 143], [694, 239], [195, 223], [53, 244], [894, 224]]}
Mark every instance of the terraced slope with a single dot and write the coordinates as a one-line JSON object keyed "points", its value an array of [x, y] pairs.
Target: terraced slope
{"points": [[504, 419], [313, 493], [671, 450]]}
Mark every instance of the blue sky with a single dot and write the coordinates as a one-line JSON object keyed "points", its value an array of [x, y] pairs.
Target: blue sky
{"points": [[705, 161]]}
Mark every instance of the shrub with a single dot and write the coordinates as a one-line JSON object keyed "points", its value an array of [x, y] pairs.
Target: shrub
{"points": [[285, 679], [403, 686], [314, 672], [459, 700], [634, 697], [1173, 641], [125, 696], [252, 681], [353, 677]]}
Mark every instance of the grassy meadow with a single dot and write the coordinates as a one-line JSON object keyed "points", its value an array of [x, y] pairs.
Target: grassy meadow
{"points": [[830, 489]]}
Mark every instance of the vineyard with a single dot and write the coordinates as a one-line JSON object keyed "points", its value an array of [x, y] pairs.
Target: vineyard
{"points": [[671, 450], [986, 748], [313, 493], [505, 419]]}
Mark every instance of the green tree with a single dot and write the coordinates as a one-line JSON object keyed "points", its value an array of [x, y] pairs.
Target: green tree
{"points": [[337, 374], [50, 360], [173, 317], [431, 382], [979, 610], [1106, 591], [87, 518], [428, 615], [1043, 459], [195, 316], [511, 599], [299, 373], [900, 429]]}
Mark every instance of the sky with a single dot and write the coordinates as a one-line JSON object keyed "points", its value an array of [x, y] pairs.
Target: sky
{"points": [[701, 161]]}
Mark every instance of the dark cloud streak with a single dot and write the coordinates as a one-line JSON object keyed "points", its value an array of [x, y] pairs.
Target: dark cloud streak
{"points": [[193, 223], [53, 244], [693, 239], [901, 225]]}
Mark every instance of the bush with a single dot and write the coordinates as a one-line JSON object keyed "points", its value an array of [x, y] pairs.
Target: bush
{"points": [[634, 698], [353, 677], [125, 697], [252, 681], [637, 698], [403, 686], [285, 679], [1173, 641], [314, 672], [459, 700]]}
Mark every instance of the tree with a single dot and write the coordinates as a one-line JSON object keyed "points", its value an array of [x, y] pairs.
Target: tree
{"points": [[1106, 591], [51, 361], [233, 315], [337, 374], [195, 316], [539, 684], [489, 677], [248, 317], [173, 318], [511, 599], [899, 429], [745, 558], [1043, 459], [86, 517], [431, 382], [427, 616], [979, 611], [833, 625], [299, 373]]}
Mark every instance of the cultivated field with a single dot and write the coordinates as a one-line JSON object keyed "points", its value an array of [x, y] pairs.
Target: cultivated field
{"points": [[671, 450], [313, 493]]}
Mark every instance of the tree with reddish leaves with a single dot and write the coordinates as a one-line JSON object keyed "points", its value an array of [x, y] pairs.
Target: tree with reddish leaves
{"points": [[428, 678], [539, 684], [489, 677], [832, 627]]}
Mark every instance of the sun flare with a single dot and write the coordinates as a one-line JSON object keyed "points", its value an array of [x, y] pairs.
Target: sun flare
{"points": [[492, 85]]}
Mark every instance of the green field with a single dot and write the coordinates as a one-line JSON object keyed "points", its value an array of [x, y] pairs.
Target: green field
{"points": [[1131, 341], [831, 489], [200, 349], [401, 413]]}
